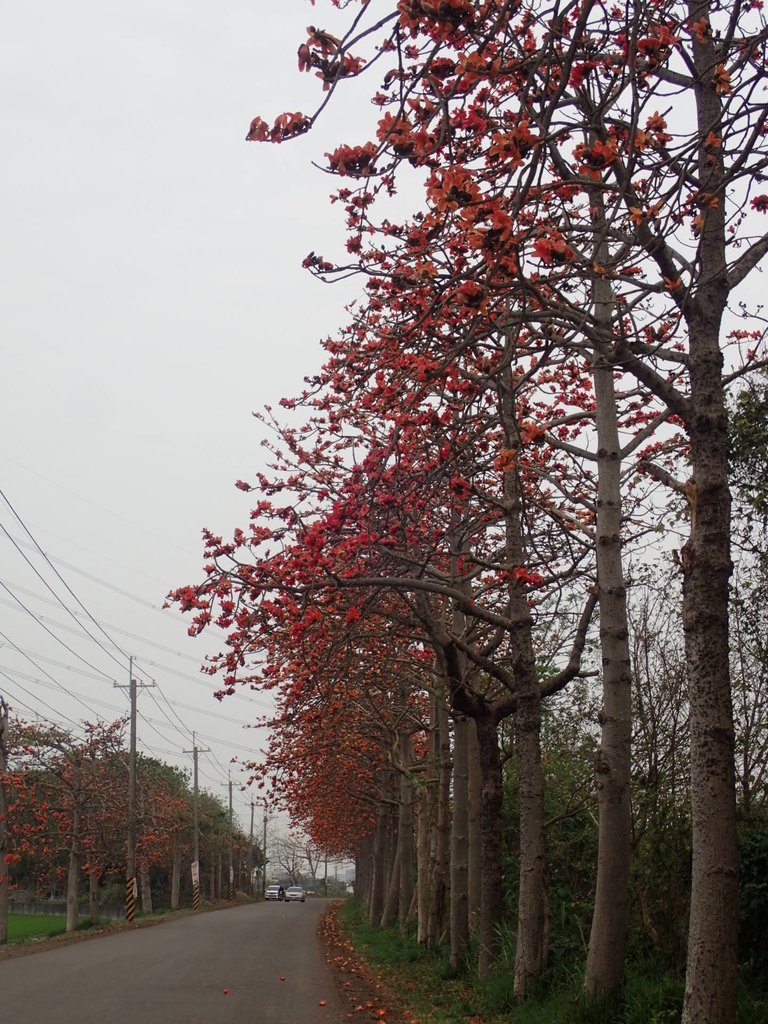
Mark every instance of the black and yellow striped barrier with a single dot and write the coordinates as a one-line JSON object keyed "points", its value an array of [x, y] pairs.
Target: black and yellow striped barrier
{"points": [[130, 900]]}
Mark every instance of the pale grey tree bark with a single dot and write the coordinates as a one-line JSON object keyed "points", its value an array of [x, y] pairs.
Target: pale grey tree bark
{"points": [[607, 940], [405, 830], [441, 840], [424, 814], [73, 869], [378, 865], [533, 918], [459, 905], [473, 826], [392, 898], [146, 886]]}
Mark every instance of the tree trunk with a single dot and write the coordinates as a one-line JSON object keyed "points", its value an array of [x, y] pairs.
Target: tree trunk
{"points": [[490, 835], [146, 886], [94, 902], [531, 950], [473, 824], [710, 996], [176, 873], [532, 918], [440, 846], [605, 959], [424, 808], [405, 832], [459, 905], [391, 902], [73, 870], [378, 865], [710, 986]]}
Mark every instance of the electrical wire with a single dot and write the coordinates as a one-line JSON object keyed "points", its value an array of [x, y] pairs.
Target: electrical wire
{"points": [[106, 625], [165, 706], [135, 636], [33, 711], [52, 634], [98, 579], [61, 580], [45, 673]]}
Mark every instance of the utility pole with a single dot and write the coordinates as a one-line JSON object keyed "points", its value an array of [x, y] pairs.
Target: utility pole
{"points": [[231, 887], [250, 857], [131, 889], [264, 848], [195, 752]]}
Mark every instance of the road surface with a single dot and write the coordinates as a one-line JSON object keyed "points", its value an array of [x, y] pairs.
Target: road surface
{"points": [[258, 964]]}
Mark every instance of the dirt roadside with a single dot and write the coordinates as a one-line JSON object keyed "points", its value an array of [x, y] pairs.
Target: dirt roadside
{"points": [[366, 995]]}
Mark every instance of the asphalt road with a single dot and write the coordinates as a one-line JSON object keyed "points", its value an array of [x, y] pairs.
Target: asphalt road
{"points": [[257, 964]]}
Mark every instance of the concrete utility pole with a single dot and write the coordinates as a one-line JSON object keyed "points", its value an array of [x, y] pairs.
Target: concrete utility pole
{"points": [[130, 860], [264, 849], [231, 886], [250, 856], [195, 752], [130, 874]]}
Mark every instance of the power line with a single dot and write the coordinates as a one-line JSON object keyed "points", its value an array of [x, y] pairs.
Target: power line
{"points": [[165, 706], [33, 711], [61, 579], [98, 579], [81, 673], [150, 721], [45, 673], [67, 609], [106, 625], [135, 636], [52, 634]]}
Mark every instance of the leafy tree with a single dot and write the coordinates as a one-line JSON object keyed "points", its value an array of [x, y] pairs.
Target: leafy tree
{"points": [[588, 213], [5, 854], [65, 774]]}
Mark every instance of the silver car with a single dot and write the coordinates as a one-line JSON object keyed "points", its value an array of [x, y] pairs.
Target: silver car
{"points": [[294, 894]]}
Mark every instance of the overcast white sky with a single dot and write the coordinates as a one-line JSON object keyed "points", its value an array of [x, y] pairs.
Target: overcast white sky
{"points": [[151, 297]]}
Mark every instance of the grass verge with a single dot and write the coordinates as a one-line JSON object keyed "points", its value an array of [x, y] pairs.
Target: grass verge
{"points": [[32, 926], [423, 981]]}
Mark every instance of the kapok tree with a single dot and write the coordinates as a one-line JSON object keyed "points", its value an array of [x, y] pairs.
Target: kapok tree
{"points": [[387, 512], [403, 330], [524, 114], [66, 770], [164, 821]]}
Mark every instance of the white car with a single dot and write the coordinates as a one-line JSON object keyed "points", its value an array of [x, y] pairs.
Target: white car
{"points": [[294, 894], [274, 892]]}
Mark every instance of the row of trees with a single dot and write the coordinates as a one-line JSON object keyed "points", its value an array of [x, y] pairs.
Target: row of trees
{"points": [[528, 404], [295, 860], [64, 815]]}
